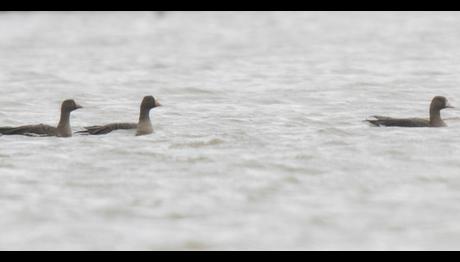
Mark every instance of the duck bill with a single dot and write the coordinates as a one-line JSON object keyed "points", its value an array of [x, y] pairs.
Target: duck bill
{"points": [[77, 106], [449, 106]]}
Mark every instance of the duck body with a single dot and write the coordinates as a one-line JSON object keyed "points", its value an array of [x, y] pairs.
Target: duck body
{"points": [[402, 122], [437, 104], [105, 129], [30, 130]]}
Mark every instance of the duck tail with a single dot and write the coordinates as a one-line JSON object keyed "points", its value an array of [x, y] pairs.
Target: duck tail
{"points": [[6, 130]]}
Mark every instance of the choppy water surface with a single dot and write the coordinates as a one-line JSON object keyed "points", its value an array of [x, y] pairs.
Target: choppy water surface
{"points": [[260, 144]]}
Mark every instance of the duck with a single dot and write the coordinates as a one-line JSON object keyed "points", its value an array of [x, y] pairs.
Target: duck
{"points": [[63, 129], [438, 103], [143, 126]]}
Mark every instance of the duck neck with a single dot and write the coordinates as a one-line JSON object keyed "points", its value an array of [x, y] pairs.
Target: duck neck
{"points": [[435, 117], [64, 124], [144, 116], [144, 126]]}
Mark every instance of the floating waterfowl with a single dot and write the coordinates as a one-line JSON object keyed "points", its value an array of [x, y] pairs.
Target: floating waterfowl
{"points": [[63, 128], [437, 104], [143, 127]]}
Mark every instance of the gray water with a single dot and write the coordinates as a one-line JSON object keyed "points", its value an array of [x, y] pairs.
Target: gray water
{"points": [[260, 143]]}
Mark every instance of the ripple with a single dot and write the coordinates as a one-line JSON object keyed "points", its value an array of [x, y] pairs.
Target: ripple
{"points": [[198, 144], [261, 133]]}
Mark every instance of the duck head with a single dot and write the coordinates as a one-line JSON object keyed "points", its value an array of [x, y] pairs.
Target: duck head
{"points": [[70, 105], [439, 103], [149, 102]]}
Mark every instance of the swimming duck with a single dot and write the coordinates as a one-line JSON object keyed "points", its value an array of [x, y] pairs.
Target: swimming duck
{"points": [[143, 126], [437, 104], [63, 128]]}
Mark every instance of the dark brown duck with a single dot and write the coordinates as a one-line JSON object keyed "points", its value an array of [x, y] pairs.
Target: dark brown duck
{"points": [[143, 126], [437, 104], [63, 128]]}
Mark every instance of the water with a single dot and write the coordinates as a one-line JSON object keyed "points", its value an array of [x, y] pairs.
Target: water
{"points": [[260, 143]]}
